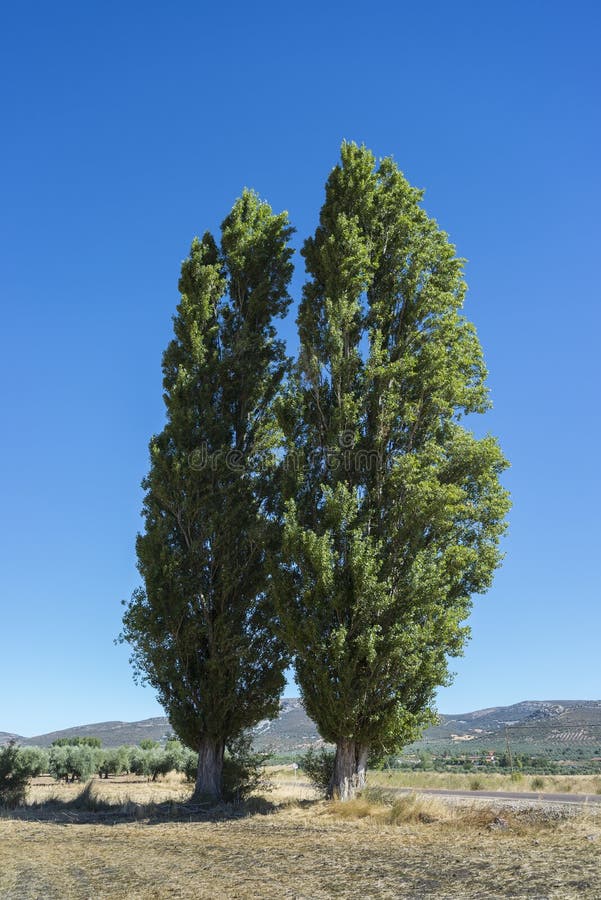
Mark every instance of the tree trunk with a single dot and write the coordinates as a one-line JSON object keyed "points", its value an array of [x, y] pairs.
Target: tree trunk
{"points": [[350, 770], [361, 774], [210, 767]]}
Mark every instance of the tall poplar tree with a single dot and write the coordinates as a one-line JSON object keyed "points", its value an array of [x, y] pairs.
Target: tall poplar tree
{"points": [[201, 627], [396, 508]]}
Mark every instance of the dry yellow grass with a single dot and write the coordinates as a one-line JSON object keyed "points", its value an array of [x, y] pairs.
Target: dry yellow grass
{"points": [[560, 784], [415, 848], [117, 790]]}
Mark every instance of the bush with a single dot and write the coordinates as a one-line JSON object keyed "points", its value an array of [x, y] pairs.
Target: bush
{"points": [[113, 762], [537, 784], [243, 770], [318, 766], [34, 760], [72, 762], [13, 777], [175, 754], [159, 763], [139, 762], [190, 765], [155, 761]]}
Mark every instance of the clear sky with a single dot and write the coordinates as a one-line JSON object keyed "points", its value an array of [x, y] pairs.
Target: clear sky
{"points": [[127, 128]]}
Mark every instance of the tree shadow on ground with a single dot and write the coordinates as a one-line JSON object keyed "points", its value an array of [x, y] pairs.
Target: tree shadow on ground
{"points": [[88, 809]]}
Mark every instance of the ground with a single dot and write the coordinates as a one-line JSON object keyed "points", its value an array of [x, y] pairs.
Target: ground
{"points": [[117, 844]]}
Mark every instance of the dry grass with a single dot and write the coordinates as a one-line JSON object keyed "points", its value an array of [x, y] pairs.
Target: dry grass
{"points": [[559, 784], [416, 808], [412, 847], [115, 790]]}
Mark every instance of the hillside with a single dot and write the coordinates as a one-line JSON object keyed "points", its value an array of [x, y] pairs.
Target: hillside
{"points": [[112, 734], [552, 727], [536, 725]]}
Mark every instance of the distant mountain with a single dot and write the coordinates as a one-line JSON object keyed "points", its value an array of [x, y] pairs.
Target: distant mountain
{"points": [[533, 723], [112, 734], [293, 730]]}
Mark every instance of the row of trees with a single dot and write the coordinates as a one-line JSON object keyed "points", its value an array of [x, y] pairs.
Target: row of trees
{"points": [[243, 768], [329, 511], [77, 762]]}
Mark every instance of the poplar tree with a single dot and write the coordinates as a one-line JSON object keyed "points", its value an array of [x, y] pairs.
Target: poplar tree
{"points": [[201, 627], [396, 508]]}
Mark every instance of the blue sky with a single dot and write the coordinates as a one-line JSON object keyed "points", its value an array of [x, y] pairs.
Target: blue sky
{"points": [[127, 129]]}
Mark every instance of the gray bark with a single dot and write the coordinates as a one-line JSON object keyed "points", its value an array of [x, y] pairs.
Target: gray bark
{"points": [[210, 768], [350, 770]]}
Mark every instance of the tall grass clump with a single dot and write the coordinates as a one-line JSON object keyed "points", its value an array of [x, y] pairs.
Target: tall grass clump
{"points": [[477, 784]]}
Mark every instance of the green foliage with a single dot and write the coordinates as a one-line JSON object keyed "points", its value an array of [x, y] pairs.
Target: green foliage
{"points": [[318, 766], [201, 627], [139, 762], [395, 509], [190, 765], [14, 776], [243, 770], [77, 742], [73, 762], [175, 756], [33, 760], [148, 744], [425, 761], [159, 763], [114, 761]]}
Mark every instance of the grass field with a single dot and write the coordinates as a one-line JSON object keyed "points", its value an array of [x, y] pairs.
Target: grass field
{"points": [[126, 838], [553, 784]]}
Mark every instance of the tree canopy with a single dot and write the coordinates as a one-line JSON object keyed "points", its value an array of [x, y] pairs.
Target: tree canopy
{"points": [[339, 512], [395, 508], [201, 628]]}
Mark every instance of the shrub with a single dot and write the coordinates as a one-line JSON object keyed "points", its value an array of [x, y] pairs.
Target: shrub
{"points": [[72, 762], [13, 777], [190, 765], [159, 763], [175, 754], [318, 765], [155, 761], [243, 770], [34, 760], [113, 762], [139, 762], [537, 784], [476, 784]]}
